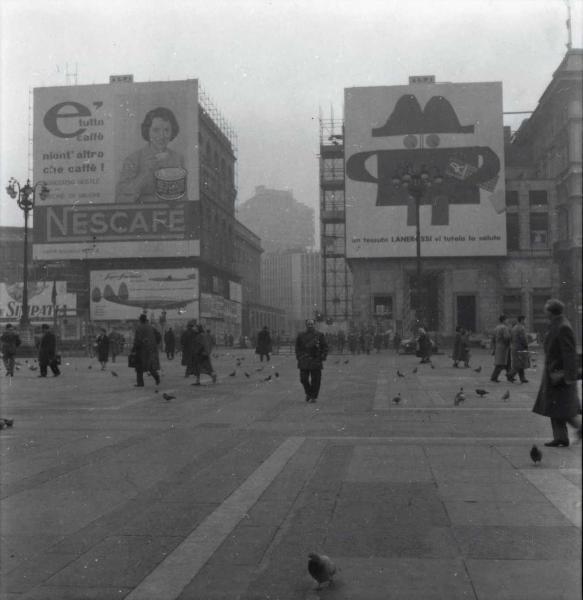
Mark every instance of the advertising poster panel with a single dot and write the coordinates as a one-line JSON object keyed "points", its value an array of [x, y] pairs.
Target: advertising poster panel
{"points": [[40, 301], [121, 163], [119, 295], [451, 130]]}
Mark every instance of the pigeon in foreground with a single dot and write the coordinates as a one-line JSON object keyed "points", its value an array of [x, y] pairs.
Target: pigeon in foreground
{"points": [[414, 370], [535, 454], [168, 397], [268, 378], [479, 369], [346, 361], [321, 568], [247, 375], [459, 397], [232, 374], [506, 395], [399, 374], [32, 368], [276, 374], [114, 374], [397, 398], [482, 393]]}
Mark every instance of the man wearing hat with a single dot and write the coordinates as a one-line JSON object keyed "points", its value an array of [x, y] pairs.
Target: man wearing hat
{"points": [[47, 352], [311, 352], [10, 342]]}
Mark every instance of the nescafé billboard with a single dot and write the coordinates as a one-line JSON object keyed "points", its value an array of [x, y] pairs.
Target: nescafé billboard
{"points": [[121, 163], [126, 294], [452, 131]]}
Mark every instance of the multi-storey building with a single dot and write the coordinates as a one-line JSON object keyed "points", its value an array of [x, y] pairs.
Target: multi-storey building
{"points": [[478, 260], [291, 280], [278, 219]]}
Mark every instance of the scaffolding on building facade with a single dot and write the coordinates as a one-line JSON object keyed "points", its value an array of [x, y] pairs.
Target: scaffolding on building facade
{"points": [[336, 276]]}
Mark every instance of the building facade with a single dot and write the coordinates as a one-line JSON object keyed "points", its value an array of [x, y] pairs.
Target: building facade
{"points": [[278, 219], [521, 231]]}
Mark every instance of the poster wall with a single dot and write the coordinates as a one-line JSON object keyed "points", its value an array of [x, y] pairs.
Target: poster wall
{"points": [[121, 163], [40, 301], [126, 294], [451, 130]]}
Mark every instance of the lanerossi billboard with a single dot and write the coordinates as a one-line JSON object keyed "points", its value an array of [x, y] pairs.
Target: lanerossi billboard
{"points": [[121, 164], [454, 130], [126, 294]]}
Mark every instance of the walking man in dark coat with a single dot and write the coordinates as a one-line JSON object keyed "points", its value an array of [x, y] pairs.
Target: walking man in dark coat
{"points": [[519, 357], [311, 352], [263, 344], [47, 352], [146, 350], [169, 343], [102, 344], [557, 396], [187, 341], [10, 341]]}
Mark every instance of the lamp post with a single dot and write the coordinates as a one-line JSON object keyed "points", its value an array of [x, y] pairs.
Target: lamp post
{"points": [[416, 182], [25, 198]]}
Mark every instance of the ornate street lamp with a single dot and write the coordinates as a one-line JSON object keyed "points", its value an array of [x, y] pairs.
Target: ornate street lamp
{"points": [[25, 198], [417, 181]]}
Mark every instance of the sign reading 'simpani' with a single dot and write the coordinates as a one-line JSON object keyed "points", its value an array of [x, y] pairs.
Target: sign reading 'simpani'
{"points": [[451, 130], [121, 163]]}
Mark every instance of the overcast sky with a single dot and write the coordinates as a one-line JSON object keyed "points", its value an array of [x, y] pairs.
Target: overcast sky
{"points": [[270, 67]]}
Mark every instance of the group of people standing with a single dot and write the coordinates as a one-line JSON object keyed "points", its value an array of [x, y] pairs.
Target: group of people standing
{"points": [[510, 350]]}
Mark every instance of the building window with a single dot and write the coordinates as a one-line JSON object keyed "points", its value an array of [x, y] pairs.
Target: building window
{"points": [[538, 198], [511, 197], [382, 306], [512, 304], [512, 231], [539, 229], [334, 200], [332, 169]]}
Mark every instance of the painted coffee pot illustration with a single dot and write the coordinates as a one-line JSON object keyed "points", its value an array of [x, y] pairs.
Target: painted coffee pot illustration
{"points": [[466, 169]]}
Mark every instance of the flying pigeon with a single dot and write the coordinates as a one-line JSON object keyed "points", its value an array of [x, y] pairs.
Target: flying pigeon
{"points": [[506, 395], [397, 398], [478, 369], [399, 374], [459, 397], [232, 374], [114, 374], [321, 568], [414, 370], [482, 393], [247, 375], [535, 454], [168, 397]]}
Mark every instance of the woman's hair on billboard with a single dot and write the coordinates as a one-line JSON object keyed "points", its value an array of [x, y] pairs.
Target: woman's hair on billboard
{"points": [[161, 113]]}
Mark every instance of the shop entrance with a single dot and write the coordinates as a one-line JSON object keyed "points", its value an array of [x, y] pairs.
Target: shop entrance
{"points": [[466, 312]]}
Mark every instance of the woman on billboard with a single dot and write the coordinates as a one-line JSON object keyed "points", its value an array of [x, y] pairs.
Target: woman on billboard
{"points": [[154, 172]]}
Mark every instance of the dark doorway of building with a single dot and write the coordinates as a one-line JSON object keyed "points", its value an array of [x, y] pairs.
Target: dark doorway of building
{"points": [[466, 312]]}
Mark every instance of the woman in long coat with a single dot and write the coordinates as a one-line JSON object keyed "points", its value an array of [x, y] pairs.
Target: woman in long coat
{"points": [[424, 346], [102, 344], [501, 350], [202, 355], [557, 396]]}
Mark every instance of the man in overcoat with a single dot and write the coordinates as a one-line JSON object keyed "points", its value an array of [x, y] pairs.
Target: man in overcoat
{"points": [[47, 352], [501, 350], [264, 346], [557, 396], [519, 358], [311, 352], [187, 341], [9, 342], [146, 349]]}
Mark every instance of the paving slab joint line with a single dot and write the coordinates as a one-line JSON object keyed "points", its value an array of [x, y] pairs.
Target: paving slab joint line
{"points": [[169, 578]]}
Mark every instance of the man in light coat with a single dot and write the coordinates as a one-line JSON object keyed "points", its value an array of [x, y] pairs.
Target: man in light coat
{"points": [[519, 358], [501, 350]]}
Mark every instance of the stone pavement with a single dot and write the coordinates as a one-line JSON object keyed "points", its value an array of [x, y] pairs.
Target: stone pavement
{"points": [[110, 492]]}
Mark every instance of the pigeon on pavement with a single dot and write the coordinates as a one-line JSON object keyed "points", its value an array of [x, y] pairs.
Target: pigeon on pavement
{"points": [[414, 370], [535, 454], [399, 374], [247, 375], [168, 397], [321, 568], [268, 378], [276, 374], [478, 369], [346, 361], [232, 374], [506, 395], [459, 397], [482, 393], [397, 398], [114, 374]]}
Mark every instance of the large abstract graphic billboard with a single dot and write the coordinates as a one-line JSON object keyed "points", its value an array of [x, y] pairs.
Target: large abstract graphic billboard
{"points": [[126, 294], [452, 131], [121, 163]]}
